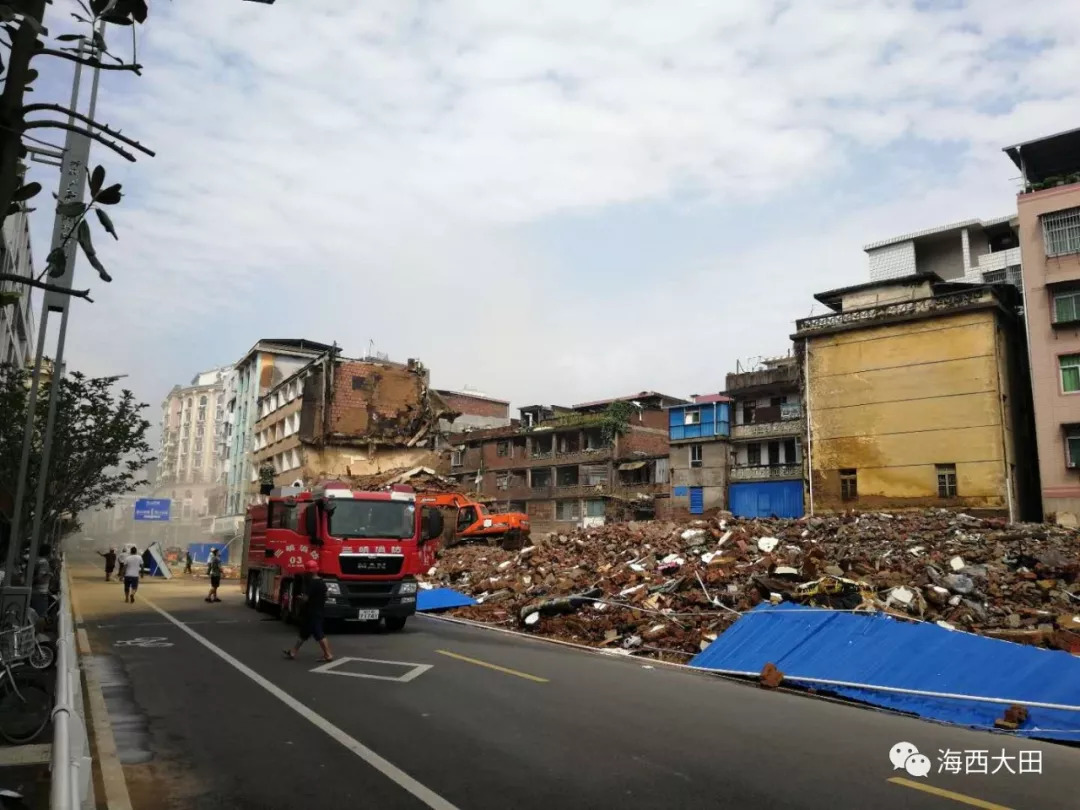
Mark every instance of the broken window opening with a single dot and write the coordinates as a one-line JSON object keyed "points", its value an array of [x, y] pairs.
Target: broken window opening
{"points": [[595, 475], [502, 449], [541, 479], [594, 440], [567, 477], [502, 480], [849, 485], [357, 383], [946, 480], [542, 446], [569, 443]]}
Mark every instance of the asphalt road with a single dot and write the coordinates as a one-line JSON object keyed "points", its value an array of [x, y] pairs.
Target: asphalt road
{"points": [[473, 719]]}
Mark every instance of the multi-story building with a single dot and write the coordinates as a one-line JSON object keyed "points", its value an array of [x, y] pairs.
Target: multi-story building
{"points": [[1048, 209], [264, 366], [698, 453], [975, 251], [473, 411], [766, 475], [572, 466], [189, 471], [336, 416], [17, 320], [917, 394]]}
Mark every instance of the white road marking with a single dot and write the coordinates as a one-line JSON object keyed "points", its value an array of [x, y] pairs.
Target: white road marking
{"points": [[415, 671], [387, 769]]}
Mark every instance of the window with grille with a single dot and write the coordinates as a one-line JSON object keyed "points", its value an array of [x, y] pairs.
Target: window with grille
{"points": [[1067, 307], [946, 480], [1072, 447], [1070, 372], [753, 454], [1061, 232], [567, 510], [695, 455], [849, 485]]}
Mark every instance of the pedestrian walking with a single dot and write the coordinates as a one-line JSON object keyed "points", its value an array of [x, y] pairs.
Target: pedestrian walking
{"points": [[312, 610], [187, 562], [110, 562], [213, 569], [131, 566]]}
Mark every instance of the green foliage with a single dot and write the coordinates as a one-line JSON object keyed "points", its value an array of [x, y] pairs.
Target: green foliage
{"points": [[99, 444], [616, 420], [266, 474]]}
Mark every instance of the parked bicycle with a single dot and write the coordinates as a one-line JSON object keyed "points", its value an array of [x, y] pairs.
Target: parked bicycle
{"points": [[25, 699]]}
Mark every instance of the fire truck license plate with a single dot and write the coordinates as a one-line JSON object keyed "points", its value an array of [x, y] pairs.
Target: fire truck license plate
{"points": [[368, 615]]}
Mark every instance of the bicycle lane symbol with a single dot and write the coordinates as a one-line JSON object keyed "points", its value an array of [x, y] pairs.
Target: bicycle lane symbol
{"points": [[147, 642]]}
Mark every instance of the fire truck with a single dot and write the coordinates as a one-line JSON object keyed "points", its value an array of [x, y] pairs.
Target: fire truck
{"points": [[369, 547]]}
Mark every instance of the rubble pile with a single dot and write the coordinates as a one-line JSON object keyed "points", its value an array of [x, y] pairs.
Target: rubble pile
{"points": [[667, 590]]}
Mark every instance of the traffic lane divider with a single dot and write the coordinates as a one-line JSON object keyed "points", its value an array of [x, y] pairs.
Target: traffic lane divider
{"points": [[952, 795], [496, 667]]}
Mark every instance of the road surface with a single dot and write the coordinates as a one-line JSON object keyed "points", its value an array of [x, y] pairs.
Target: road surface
{"points": [[208, 714]]}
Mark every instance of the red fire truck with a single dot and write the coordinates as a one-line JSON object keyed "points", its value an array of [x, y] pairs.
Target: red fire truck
{"points": [[369, 547]]}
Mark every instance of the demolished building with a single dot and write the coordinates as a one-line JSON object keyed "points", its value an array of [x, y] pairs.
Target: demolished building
{"points": [[340, 417]]}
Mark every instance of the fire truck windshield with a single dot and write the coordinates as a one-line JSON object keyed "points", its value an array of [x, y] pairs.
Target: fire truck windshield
{"points": [[390, 519]]}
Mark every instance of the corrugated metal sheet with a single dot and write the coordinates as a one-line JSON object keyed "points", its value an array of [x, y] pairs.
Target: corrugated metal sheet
{"points": [[881, 651], [697, 500], [715, 421], [200, 552], [441, 599], [784, 499]]}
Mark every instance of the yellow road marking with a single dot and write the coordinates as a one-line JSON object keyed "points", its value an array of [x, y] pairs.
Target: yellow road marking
{"points": [[947, 794], [495, 667]]}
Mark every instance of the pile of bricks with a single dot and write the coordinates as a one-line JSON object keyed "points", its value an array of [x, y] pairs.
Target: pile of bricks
{"points": [[668, 589]]}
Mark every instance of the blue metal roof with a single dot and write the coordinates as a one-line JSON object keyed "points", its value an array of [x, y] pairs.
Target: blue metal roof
{"points": [[878, 650]]}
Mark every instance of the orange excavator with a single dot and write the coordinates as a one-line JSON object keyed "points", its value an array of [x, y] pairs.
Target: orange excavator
{"points": [[468, 520]]}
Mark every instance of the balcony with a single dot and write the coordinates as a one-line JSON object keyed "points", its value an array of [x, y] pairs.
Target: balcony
{"points": [[633, 490], [584, 456], [789, 424], [902, 310], [781, 376], [766, 472]]}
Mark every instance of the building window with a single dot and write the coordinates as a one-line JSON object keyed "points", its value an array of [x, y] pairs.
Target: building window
{"points": [[753, 454], [502, 449], [1067, 307], [1061, 232], [749, 408], [566, 510], [849, 485], [594, 509], [774, 453], [357, 383], [1070, 372], [1072, 447], [946, 480], [695, 455], [790, 452], [692, 417], [456, 458], [502, 480]]}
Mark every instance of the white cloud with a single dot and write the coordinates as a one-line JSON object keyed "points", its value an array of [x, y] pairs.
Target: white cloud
{"points": [[344, 170]]}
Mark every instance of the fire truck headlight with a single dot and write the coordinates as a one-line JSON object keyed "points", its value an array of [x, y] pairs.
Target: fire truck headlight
{"points": [[407, 587], [333, 589]]}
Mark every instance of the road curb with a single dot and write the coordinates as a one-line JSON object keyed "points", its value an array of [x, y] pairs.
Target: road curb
{"points": [[107, 760]]}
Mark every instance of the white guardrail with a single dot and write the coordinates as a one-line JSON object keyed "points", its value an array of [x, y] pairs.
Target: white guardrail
{"points": [[71, 764]]}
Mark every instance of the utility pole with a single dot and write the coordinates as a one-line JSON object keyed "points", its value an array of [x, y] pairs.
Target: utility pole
{"points": [[73, 174]]}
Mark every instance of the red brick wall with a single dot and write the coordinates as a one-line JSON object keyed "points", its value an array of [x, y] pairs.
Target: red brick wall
{"points": [[650, 442], [541, 511], [385, 401], [474, 406], [515, 454], [653, 419]]}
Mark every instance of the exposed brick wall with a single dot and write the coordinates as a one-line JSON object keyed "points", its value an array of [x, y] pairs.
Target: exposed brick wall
{"points": [[541, 511], [643, 440], [475, 406], [375, 399], [515, 454]]}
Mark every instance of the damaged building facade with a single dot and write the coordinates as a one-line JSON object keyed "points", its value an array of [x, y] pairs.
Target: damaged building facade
{"points": [[698, 435], [572, 466], [916, 393], [766, 476], [340, 417]]}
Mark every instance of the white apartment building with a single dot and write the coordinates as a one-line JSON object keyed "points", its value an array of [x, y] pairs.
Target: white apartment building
{"points": [[192, 422], [17, 321], [974, 251]]}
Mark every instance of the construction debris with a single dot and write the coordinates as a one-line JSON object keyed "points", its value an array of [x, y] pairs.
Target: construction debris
{"points": [[665, 590]]}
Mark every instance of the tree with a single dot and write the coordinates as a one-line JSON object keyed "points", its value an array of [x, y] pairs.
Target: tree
{"points": [[23, 21], [99, 445]]}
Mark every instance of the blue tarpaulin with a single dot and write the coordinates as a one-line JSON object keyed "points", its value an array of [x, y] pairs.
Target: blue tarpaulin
{"points": [[877, 650], [441, 599]]}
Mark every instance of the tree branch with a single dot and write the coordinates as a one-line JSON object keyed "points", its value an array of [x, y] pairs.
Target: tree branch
{"points": [[97, 136], [44, 285], [94, 63], [112, 133]]}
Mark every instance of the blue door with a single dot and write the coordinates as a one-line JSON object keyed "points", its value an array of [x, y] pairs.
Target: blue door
{"points": [[697, 500], [784, 499]]}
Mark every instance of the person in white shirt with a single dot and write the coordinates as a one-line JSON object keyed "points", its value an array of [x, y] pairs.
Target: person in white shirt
{"points": [[130, 567]]}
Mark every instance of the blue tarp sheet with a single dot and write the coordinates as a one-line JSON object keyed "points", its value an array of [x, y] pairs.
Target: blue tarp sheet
{"points": [[441, 599], [876, 649]]}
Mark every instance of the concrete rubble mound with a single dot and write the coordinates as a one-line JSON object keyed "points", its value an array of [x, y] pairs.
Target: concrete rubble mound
{"points": [[666, 590]]}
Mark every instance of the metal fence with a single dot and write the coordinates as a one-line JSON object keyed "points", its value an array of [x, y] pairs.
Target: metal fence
{"points": [[71, 764]]}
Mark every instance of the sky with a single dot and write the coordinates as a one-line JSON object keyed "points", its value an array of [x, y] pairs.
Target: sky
{"points": [[547, 201]]}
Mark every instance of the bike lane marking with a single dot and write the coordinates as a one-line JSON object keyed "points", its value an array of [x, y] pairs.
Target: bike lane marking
{"points": [[383, 766]]}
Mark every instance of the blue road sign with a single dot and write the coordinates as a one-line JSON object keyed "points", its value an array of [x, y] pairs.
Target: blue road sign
{"points": [[152, 509]]}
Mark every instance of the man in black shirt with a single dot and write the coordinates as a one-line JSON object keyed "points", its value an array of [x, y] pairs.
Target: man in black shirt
{"points": [[312, 611]]}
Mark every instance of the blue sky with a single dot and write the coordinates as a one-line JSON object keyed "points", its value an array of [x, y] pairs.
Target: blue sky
{"points": [[411, 173]]}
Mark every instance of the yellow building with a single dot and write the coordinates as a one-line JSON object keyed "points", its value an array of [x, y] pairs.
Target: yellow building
{"points": [[916, 394]]}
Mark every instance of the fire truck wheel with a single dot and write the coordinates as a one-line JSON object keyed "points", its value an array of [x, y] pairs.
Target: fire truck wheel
{"points": [[395, 623], [249, 596]]}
